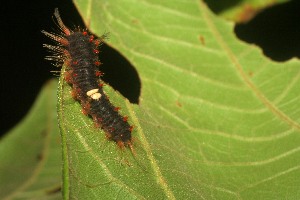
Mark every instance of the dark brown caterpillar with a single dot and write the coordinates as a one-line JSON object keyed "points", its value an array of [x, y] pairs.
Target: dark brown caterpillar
{"points": [[78, 50]]}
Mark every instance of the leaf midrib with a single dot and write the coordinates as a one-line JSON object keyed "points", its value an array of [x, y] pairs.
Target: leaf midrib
{"points": [[147, 148]]}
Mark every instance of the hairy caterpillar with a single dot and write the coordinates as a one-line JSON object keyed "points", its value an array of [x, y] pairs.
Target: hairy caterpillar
{"points": [[78, 50]]}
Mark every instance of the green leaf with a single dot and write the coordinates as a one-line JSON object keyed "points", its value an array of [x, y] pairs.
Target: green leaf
{"points": [[30, 154], [241, 11], [216, 119]]}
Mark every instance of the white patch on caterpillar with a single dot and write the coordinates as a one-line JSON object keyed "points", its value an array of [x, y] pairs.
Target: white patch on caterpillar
{"points": [[94, 94]]}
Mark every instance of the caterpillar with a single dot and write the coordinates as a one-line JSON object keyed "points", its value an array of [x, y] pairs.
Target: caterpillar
{"points": [[78, 50]]}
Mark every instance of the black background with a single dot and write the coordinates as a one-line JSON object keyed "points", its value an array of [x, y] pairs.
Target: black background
{"points": [[24, 70]]}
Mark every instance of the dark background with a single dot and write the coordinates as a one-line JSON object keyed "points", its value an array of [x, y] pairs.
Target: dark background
{"points": [[24, 70]]}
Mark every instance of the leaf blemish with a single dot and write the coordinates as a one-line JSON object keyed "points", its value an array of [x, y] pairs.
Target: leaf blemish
{"points": [[202, 40]]}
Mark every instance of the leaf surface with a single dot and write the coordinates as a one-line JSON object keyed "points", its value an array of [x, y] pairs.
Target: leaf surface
{"points": [[241, 11], [216, 119], [30, 154]]}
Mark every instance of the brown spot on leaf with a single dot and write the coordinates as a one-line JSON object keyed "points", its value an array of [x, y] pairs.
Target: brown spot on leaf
{"points": [[250, 73], [247, 13], [178, 104], [135, 21], [53, 190], [40, 157], [202, 40]]}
